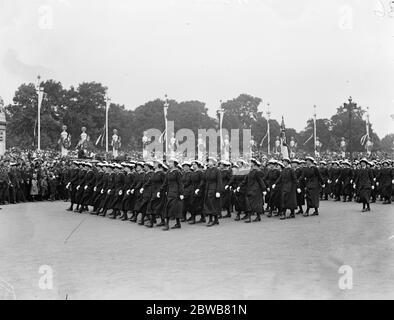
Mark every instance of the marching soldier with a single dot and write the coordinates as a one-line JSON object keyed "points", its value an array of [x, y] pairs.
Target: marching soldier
{"points": [[156, 204], [255, 191], [226, 173], [288, 186], [213, 188], [187, 189], [313, 183], [172, 189], [364, 183], [385, 179], [197, 181]]}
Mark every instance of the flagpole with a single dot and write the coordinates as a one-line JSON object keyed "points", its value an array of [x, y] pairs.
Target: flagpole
{"points": [[221, 111], [166, 105], [40, 94], [368, 122], [268, 128], [314, 128], [107, 100]]}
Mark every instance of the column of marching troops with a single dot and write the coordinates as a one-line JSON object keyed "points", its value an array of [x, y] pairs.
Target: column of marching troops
{"points": [[153, 193]]}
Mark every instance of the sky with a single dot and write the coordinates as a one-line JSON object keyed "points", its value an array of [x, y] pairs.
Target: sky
{"points": [[291, 54]]}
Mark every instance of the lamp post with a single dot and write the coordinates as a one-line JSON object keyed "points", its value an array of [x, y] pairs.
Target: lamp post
{"points": [[40, 95], [350, 107], [107, 103], [314, 129], [221, 113], [268, 128], [165, 110]]}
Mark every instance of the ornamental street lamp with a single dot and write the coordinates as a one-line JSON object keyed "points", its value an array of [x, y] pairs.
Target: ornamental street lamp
{"points": [[350, 107]]}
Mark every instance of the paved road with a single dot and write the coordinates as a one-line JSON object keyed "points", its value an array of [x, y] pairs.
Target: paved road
{"points": [[97, 258]]}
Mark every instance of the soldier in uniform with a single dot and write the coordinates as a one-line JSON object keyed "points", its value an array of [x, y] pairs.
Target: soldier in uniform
{"points": [[239, 172], [73, 183], [313, 183], [325, 177], [145, 192], [98, 185], [346, 180], [288, 187], [187, 189], [300, 186], [197, 181], [334, 181], [128, 204], [385, 179], [172, 189], [255, 191], [213, 188], [4, 181], [226, 173], [88, 185], [117, 197], [364, 183], [156, 204], [135, 187]]}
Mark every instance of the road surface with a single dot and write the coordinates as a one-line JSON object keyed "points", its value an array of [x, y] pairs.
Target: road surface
{"points": [[48, 253]]}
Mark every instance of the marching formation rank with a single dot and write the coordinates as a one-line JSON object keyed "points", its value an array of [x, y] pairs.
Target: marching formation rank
{"points": [[154, 193]]}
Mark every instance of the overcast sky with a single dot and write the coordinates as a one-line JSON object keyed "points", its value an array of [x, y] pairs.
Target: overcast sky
{"points": [[292, 54]]}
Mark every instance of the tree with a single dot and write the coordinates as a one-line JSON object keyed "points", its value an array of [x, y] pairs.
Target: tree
{"points": [[387, 143], [322, 132], [21, 117], [340, 128], [241, 112]]}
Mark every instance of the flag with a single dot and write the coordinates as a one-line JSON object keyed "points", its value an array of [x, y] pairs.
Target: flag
{"points": [[265, 137], [101, 138], [284, 149], [363, 139], [308, 139], [221, 114], [162, 137]]}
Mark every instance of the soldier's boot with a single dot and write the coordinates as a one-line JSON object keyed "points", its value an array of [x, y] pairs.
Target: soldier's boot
{"points": [[248, 218], [213, 221], [142, 221], [123, 217], [202, 219], [282, 215], [103, 213], [177, 225], [292, 215], [315, 213], [133, 217], [228, 215], [192, 219], [151, 222], [113, 214], [237, 217], [166, 225], [162, 223], [258, 218], [70, 208]]}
